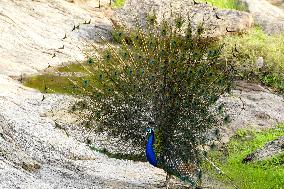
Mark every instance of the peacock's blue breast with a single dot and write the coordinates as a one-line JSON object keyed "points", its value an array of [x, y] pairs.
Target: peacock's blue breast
{"points": [[150, 153]]}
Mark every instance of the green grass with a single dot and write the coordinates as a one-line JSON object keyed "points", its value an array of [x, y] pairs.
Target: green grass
{"points": [[227, 4], [266, 174], [47, 83], [118, 3], [50, 83], [257, 44], [224, 4], [73, 67]]}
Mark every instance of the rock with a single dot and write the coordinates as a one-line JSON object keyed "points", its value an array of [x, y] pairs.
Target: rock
{"points": [[36, 152], [225, 139], [10, 151], [32, 33], [31, 132], [73, 125], [80, 174], [248, 158], [217, 22], [211, 183], [259, 62], [279, 3], [270, 17], [250, 106], [12, 177], [254, 106], [269, 150]]}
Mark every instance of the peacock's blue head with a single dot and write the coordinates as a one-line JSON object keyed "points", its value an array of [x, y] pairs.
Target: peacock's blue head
{"points": [[149, 131]]}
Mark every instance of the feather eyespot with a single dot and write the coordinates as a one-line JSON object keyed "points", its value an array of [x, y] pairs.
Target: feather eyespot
{"points": [[152, 61], [85, 83], [90, 61]]}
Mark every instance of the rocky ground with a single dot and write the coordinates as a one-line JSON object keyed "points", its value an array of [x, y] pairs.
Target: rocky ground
{"points": [[35, 152]]}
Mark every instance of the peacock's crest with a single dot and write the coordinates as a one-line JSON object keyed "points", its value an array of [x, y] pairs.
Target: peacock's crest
{"points": [[160, 73]]}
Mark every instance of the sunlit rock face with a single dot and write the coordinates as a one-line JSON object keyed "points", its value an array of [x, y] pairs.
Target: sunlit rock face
{"points": [[254, 106], [269, 16], [32, 32]]}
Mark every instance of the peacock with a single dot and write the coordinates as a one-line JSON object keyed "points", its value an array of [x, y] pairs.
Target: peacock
{"points": [[162, 76], [188, 172]]}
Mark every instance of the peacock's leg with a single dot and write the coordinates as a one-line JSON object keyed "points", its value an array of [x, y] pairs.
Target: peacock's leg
{"points": [[199, 180], [167, 180]]}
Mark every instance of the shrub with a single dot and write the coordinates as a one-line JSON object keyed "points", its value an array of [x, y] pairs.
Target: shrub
{"points": [[250, 47]]}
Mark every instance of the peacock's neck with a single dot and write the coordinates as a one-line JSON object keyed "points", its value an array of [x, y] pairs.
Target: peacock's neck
{"points": [[150, 153]]}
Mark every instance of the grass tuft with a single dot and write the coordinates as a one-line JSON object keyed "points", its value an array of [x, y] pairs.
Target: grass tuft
{"points": [[227, 4], [118, 3]]}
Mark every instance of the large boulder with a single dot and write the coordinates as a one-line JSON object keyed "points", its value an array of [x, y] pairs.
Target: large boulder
{"points": [[34, 150]]}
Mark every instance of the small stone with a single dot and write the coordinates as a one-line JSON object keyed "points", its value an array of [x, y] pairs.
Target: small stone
{"points": [[248, 158], [225, 139], [259, 62], [42, 114], [31, 166], [1, 132]]}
